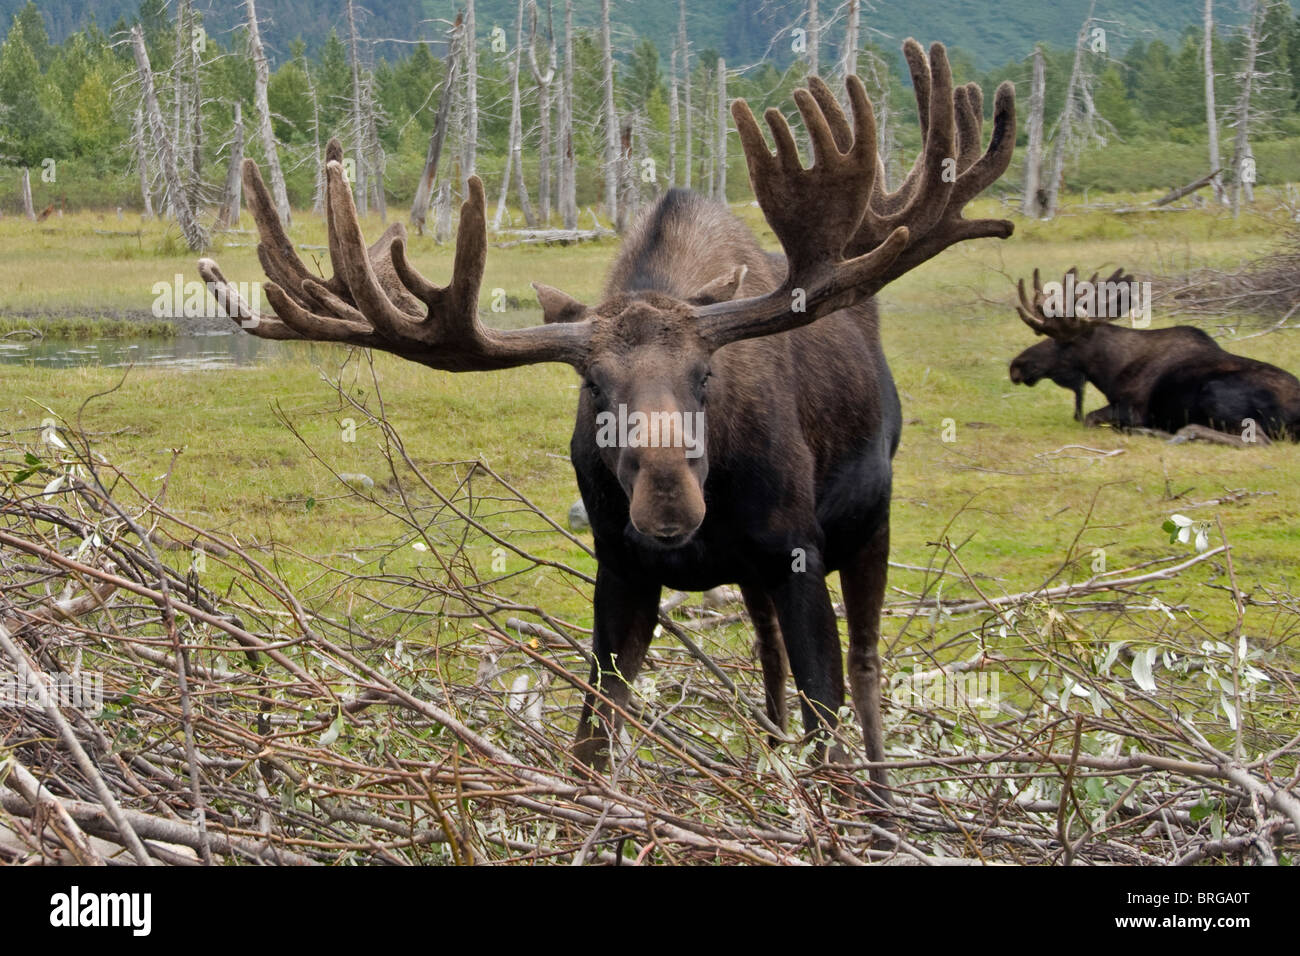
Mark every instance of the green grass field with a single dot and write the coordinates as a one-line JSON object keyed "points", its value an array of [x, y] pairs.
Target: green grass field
{"points": [[997, 491], [1017, 485], [1022, 492]]}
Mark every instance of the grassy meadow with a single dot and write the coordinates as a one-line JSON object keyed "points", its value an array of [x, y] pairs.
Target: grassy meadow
{"points": [[1024, 496], [1016, 486]]}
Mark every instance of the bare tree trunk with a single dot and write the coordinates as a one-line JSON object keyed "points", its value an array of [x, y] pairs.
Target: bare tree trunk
{"points": [[362, 191], [515, 148], [710, 143], [851, 40], [141, 161], [424, 189], [875, 77], [228, 215], [1031, 204], [318, 191], [1067, 118], [611, 117], [195, 235], [1243, 160], [469, 162], [261, 78], [1211, 114], [673, 119], [180, 96], [686, 75], [442, 214], [568, 162], [517, 125], [25, 187], [814, 38], [376, 150], [499, 218], [722, 130], [543, 79], [627, 184], [456, 123], [196, 119]]}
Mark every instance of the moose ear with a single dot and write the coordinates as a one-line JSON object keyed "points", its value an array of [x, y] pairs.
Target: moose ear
{"points": [[557, 306], [721, 289]]}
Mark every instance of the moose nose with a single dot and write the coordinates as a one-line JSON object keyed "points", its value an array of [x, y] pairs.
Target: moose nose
{"points": [[666, 506], [1017, 374]]}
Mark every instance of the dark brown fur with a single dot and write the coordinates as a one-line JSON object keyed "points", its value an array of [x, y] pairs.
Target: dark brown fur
{"points": [[1166, 379], [801, 430]]}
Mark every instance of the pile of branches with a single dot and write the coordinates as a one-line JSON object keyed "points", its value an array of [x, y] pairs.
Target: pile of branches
{"points": [[1268, 286], [382, 716]]}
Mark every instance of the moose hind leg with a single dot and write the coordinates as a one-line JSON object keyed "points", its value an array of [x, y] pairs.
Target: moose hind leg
{"points": [[771, 652], [625, 617], [863, 582]]}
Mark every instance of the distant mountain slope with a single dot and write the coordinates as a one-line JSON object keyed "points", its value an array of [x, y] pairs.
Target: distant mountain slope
{"points": [[742, 30]]}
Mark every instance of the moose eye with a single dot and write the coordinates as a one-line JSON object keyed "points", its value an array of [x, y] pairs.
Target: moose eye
{"points": [[702, 383]]}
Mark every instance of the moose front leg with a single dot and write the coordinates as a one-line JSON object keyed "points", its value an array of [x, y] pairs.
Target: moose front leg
{"points": [[1116, 415], [863, 580], [626, 611], [771, 653], [812, 643]]}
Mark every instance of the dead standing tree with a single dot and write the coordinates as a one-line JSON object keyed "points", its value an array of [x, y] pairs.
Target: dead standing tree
{"points": [[814, 38], [515, 149], [139, 146], [228, 214], [568, 161], [261, 80], [1256, 78], [368, 150], [356, 119], [543, 79], [195, 235], [318, 157], [1211, 114], [674, 119], [469, 147], [683, 45], [1080, 124], [1034, 201], [187, 102], [610, 115], [628, 193], [424, 190], [849, 62], [720, 190]]}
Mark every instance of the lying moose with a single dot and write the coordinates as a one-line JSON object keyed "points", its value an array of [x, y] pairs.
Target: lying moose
{"points": [[788, 479], [1171, 380]]}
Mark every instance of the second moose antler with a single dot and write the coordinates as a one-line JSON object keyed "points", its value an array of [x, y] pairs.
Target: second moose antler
{"points": [[772, 463]]}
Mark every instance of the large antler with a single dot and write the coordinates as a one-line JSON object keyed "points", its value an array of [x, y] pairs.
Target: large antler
{"points": [[1033, 310], [376, 298], [844, 237]]}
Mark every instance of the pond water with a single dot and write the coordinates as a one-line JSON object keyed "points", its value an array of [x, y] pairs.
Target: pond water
{"points": [[188, 351]]}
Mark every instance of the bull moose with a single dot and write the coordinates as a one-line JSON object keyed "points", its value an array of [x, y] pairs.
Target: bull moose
{"points": [[779, 357], [1172, 380]]}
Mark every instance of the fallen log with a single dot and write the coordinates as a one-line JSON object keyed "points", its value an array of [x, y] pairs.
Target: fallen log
{"points": [[1188, 189], [552, 237]]}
